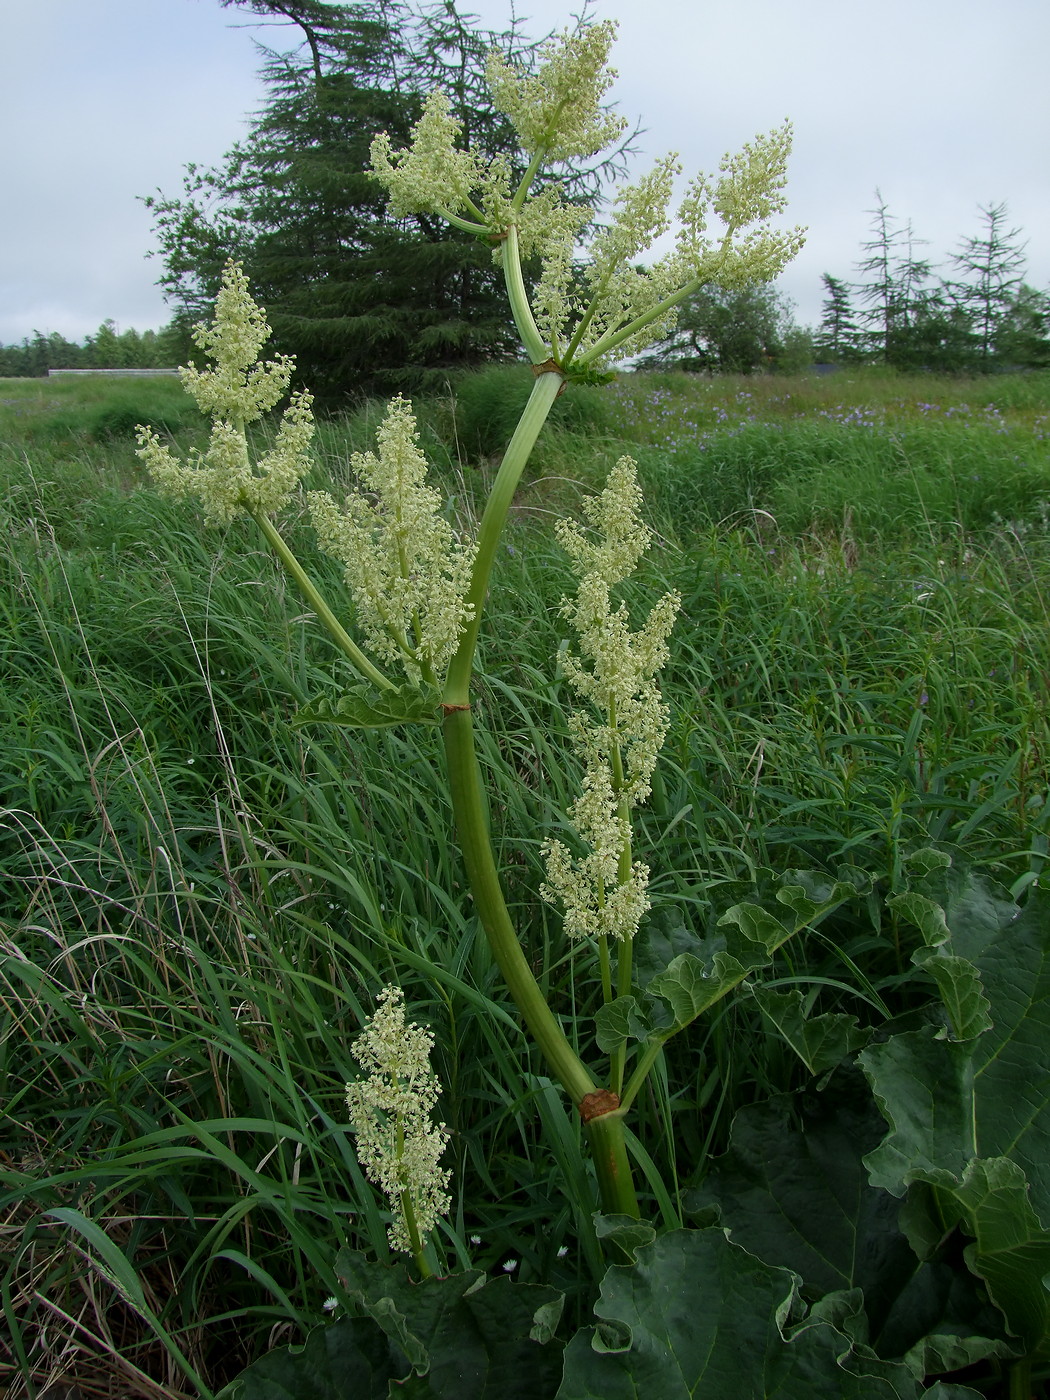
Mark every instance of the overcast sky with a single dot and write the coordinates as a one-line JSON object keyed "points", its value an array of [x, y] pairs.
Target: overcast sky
{"points": [[941, 104]]}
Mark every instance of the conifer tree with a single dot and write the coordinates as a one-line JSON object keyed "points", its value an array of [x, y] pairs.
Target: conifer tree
{"points": [[992, 264], [838, 337]]}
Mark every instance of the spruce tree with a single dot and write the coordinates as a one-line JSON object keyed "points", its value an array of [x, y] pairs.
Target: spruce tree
{"points": [[992, 264], [838, 337]]}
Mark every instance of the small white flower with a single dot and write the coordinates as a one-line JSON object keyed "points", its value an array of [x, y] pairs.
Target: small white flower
{"points": [[330, 1304], [509, 1265]]}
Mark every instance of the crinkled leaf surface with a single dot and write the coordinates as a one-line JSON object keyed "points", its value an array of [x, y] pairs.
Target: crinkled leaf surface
{"points": [[1011, 1250], [949, 1102], [699, 1317], [361, 707], [464, 1337], [619, 1021], [349, 1358], [794, 1191], [972, 1118], [820, 1042]]}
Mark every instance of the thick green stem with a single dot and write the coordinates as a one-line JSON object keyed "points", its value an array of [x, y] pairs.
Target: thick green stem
{"points": [[535, 346], [469, 806], [612, 1165], [544, 392], [326, 616], [1021, 1379], [604, 1132]]}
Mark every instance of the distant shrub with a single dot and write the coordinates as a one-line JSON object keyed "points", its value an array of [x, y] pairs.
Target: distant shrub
{"points": [[489, 403]]}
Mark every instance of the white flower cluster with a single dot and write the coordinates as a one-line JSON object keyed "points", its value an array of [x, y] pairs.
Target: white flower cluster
{"points": [[397, 1145], [603, 893], [236, 392], [557, 112], [406, 569], [616, 307]]}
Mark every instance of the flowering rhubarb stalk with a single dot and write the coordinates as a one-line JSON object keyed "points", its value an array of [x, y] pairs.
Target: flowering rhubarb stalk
{"points": [[573, 326]]}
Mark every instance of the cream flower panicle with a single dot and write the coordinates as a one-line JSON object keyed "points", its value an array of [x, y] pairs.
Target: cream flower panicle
{"points": [[557, 111], [236, 391], [592, 305], [406, 569], [603, 892], [432, 174], [398, 1145]]}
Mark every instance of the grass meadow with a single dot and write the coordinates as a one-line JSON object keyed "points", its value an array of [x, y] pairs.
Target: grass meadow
{"points": [[200, 897]]}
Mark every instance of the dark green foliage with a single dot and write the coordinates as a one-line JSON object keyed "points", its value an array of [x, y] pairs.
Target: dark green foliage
{"points": [[736, 331], [108, 348], [988, 319], [489, 402], [463, 1337]]}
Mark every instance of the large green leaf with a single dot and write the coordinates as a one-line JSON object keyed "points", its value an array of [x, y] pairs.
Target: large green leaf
{"points": [[972, 1117], [698, 1318], [793, 1190], [347, 1359], [1011, 1250], [361, 707], [950, 1102], [463, 1337], [820, 1042], [467, 1335]]}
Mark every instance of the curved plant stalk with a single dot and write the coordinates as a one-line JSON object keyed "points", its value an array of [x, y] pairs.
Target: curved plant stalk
{"points": [[597, 1107], [325, 615]]}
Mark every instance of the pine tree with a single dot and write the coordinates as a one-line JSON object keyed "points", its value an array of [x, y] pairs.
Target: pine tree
{"points": [[838, 337], [993, 268]]}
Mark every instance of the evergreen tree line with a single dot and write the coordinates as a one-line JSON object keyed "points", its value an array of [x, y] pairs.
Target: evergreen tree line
{"points": [[108, 348], [368, 303], [976, 314]]}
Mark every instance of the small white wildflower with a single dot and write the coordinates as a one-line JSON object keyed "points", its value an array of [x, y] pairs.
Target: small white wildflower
{"points": [[509, 1265], [238, 390], [406, 569], [397, 1144], [563, 1251], [330, 1304]]}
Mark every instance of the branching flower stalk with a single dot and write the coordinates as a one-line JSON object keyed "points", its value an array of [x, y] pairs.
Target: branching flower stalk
{"points": [[419, 592], [603, 893], [236, 392], [573, 325]]}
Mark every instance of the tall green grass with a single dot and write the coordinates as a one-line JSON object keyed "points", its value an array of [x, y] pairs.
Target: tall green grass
{"points": [[201, 898]]}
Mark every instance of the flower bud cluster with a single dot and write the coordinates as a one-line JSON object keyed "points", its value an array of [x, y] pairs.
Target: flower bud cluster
{"points": [[614, 307], [557, 111], [602, 892], [237, 391], [406, 569], [390, 1109]]}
